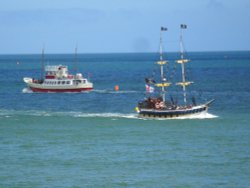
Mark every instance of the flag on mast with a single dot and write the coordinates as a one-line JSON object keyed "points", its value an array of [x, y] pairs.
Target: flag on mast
{"points": [[164, 29], [149, 89], [183, 26], [150, 81]]}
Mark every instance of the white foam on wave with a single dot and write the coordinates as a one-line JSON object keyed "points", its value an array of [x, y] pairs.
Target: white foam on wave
{"points": [[113, 116], [105, 115], [193, 116], [27, 90], [200, 116], [5, 113], [135, 116]]}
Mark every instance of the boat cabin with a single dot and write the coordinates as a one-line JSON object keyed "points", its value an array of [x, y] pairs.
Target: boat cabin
{"points": [[56, 71]]}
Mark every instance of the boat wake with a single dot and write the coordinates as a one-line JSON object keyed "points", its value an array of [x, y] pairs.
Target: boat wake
{"points": [[27, 90], [194, 116], [200, 116], [106, 115], [113, 116], [135, 116], [106, 91], [13, 113]]}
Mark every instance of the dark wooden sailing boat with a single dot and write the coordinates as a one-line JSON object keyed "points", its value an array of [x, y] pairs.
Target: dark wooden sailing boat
{"points": [[159, 107]]}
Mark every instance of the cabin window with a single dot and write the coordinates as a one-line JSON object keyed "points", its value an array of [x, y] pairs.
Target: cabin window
{"points": [[75, 82], [68, 82], [84, 81], [63, 82]]}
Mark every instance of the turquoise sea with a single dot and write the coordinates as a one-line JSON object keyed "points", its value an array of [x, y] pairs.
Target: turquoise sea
{"points": [[95, 139]]}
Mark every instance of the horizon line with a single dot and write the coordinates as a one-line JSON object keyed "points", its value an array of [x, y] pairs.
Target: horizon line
{"points": [[91, 53]]}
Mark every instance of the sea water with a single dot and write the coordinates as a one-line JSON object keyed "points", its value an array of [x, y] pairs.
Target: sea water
{"points": [[95, 139]]}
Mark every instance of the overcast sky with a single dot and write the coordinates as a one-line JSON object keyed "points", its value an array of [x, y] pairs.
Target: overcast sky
{"points": [[107, 26]]}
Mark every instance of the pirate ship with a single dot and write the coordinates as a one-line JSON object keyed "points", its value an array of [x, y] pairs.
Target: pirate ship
{"points": [[160, 107]]}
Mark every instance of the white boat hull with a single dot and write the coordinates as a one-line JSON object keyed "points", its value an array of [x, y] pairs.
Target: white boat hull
{"points": [[41, 87]]}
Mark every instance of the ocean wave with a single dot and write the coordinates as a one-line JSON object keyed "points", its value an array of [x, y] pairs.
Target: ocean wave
{"points": [[106, 115], [194, 116], [11, 113], [135, 116]]}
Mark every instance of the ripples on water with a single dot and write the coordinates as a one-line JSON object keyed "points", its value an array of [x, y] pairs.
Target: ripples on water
{"points": [[95, 139]]}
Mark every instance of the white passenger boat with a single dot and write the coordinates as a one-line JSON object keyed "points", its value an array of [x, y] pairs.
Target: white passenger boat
{"points": [[57, 79]]}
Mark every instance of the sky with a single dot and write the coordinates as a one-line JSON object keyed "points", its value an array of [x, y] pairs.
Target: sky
{"points": [[117, 26]]}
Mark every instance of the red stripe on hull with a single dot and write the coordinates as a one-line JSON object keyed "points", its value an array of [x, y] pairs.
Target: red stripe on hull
{"points": [[60, 90]]}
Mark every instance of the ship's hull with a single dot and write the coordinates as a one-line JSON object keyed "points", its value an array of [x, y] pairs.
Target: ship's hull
{"points": [[46, 90], [153, 113], [40, 87]]}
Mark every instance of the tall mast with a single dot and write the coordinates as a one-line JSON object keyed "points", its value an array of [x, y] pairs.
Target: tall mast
{"points": [[163, 83], [76, 68], [182, 61], [183, 68], [42, 64], [161, 65]]}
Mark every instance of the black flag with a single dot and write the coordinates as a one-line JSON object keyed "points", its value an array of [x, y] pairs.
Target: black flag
{"points": [[149, 81], [183, 26], [164, 29]]}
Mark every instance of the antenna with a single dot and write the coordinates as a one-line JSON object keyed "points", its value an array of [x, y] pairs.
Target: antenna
{"points": [[42, 64], [76, 67]]}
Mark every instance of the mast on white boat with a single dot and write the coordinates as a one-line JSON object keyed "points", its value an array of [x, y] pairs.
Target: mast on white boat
{"points": [[76, 67], [42, 64]]}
